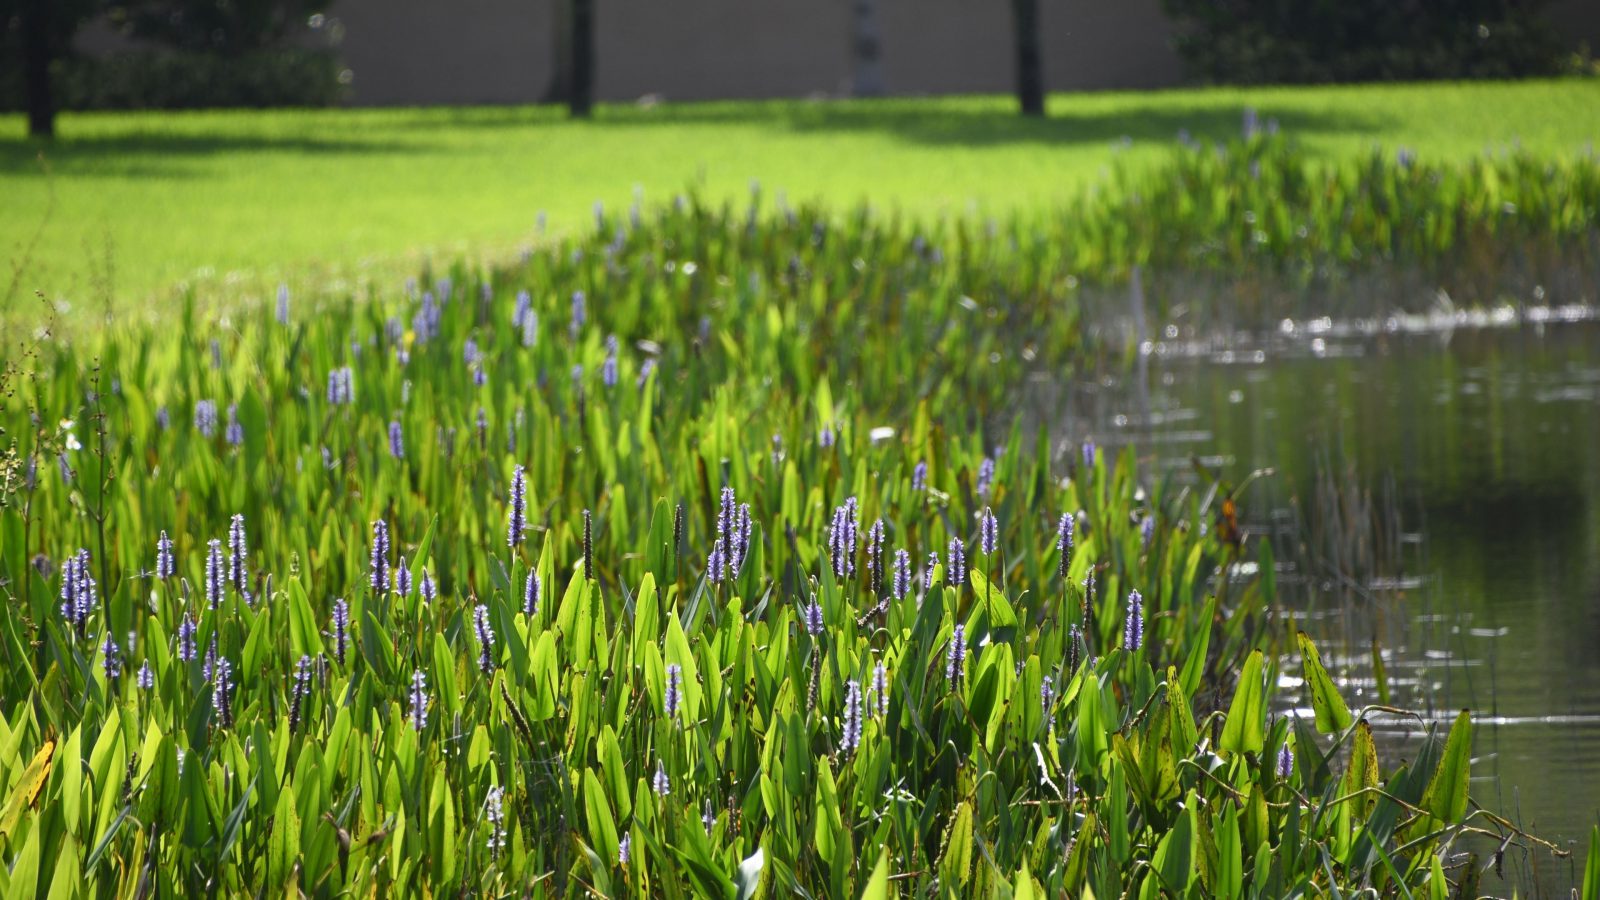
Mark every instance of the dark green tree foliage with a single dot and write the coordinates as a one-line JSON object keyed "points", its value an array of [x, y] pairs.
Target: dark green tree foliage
{"points": [[1310, 41], [223, 27], [33, 35]]}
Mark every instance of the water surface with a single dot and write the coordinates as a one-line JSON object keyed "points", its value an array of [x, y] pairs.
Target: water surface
{"points": [[1464, 454]]}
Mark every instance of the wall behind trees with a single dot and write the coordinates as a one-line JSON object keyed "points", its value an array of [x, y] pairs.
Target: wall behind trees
{"points": [[502, 51]]}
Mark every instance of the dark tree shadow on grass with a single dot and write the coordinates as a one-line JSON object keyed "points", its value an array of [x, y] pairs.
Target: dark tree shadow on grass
{"points": [[155, 154], [946, 121], [956, 122]]}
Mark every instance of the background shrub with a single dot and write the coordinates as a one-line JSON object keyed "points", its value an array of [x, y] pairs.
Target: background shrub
{"points": [[184, 79], [1310, 41]]}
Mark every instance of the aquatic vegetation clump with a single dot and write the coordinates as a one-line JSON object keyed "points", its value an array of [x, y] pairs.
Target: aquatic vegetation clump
{"points": [[651, 650]]}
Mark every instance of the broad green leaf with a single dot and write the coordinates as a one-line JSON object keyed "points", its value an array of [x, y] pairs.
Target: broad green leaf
{"points": [[1446, 796], [1362, 772], [878, 885], [1024, 889], [748, 876], [1230, 853], [1245, 728], [283, 845], [1194, 665], [27, 788], [1333, 716], [602, 826], [1175, 855], [955, 864]]}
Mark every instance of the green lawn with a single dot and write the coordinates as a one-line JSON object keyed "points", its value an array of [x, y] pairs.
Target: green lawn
{"points": [[237, 201]]}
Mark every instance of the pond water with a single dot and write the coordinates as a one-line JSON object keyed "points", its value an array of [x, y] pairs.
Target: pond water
{"points": [[1436, 489]]}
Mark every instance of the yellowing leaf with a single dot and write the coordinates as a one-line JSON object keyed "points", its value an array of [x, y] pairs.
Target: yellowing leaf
{"points": [[28, 788]]}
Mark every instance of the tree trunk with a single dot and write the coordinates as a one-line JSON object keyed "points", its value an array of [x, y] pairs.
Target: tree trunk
{"points": [[868, 47], [560, 87], [37, 53], [581, 101], [1030, 70]]}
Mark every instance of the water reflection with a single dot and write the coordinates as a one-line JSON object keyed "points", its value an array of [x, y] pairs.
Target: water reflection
{"points": [[1444, 475]]}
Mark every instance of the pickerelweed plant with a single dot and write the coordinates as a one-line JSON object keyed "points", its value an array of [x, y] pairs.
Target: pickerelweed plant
{"points": [[657, 647]]}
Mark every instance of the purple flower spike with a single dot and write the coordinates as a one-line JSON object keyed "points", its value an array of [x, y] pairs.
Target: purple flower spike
{"points": [[235, 432], [902, 574], [579, 314], [955, 570], [1147, 531], [222, 694], [919, 477], [215, 573], [875, 555], [842, 540], [237, 554], [208, 668], [299, 691], [814, 618], [956, 657], [419, 700], [1133, 628], [852, 718], [1064, 544], [205, 418], [716, 565], [880, 687], [111, 660], [397, 442], [426, 586], [77, 591], [341, 629], [187, 651], [661, 783], [741, 538], [402, 578], [341, 387], [519, 508], [674, 692], [531, 588], [480, 625], [494, 812], [988, 532], [608, 370], [1285, 761], [165, 567], [379, 569], [146, 678], [985, 476]]}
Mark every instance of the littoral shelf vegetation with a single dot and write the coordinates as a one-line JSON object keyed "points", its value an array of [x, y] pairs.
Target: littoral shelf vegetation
{"points": [[676, 561]]}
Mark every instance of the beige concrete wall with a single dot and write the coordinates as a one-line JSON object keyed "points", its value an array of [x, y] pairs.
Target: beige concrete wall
{"points": [[501, 51], [419, 52]]}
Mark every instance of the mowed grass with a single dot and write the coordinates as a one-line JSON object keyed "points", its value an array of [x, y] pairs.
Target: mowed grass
{"points": [[131, 206]]}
